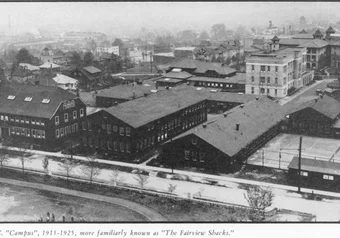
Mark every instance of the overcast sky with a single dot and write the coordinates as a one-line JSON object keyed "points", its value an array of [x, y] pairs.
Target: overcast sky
{"points": [[127, 18]]}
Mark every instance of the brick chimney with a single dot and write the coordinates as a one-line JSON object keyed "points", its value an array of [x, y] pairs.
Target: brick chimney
{"points": [[237, 127]]}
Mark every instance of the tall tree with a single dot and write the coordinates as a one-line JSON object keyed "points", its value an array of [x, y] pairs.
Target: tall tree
{"points": [[88, 58], [75, 59], [187, 36], [24, 56], [258, 199], [219, 31], [91, 169], [204, 36]]}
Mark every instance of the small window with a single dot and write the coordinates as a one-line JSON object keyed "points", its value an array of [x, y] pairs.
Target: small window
{"points": [[57, 133], [253, 67], [194, 141], [186, 154], [328, 177], [128, 131], [122, 149], [28, 99], [56, 119], [66, 117], [304, 173], [121, 131], [108, 128], [10, 97], [81, 112], [74, 114], [46, 100], [114, 128], [61, 132]]}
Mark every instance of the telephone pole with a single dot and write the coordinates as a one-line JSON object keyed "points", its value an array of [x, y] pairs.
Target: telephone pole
{"points": [[300, 145]]}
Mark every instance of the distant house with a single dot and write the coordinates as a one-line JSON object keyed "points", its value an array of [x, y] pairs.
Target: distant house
{"points": [[49, 67], [163, 58], [173, 78], [65, 82], [185, 52], [87, 75]]}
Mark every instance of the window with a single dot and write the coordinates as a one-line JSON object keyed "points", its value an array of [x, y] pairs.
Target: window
{"points": [[103, 126], [194, 141], [81, 112], [115, 147], [304, 173], [186, 154], [108, 128], [121, 131], [285, 69], [28, 132], [89, 125], [57, 133], [201, 157], [128, 147], [328, 177], [45, 100], [28, 99], [33, 133], [10, 97], [22, 119], [268, 91], [268, 68], [128, 131], [268, 79], [74, 114], [43, 134], [109, 144], [262, 79], [275, 92], [1, 117], [28, 121], [263, 68], [16, 119], [252, 79], [276, 69], [262, 90], [276, 80], [253, 67], [121, 146], [61, 132], [56, 120], [66, 117], [114, 128]]}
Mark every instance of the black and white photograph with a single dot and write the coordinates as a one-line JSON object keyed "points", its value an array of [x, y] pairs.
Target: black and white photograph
{"points": [[168, 113]]}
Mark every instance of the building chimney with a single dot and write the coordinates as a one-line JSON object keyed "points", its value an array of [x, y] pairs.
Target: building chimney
{"points": [[257, 98], [237, 127], [316, 99], [204, 125], [242, 105], [225, 114]]}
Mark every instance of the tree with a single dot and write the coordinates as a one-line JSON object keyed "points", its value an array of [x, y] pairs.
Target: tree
{"points": [[219, 31], [142, 180], [188, 37], [75, 59], [45, 163], [67, 166], [258, 199], [3, 156], [23, 156], [204, 36], [171, 188], [88, 58], [115, 177], [90, 169], [23, 56], [241, 32], [118, 42]]}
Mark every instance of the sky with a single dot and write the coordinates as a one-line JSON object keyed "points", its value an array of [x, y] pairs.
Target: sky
{"points": [[127, 18]]}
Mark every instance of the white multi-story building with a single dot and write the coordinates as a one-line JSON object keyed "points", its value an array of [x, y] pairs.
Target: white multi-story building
{"points": [[110, 50], [274, 72]]}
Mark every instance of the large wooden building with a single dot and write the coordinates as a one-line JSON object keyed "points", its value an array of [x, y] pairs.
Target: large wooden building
{"points": [[128, 130], [225, 142], [41, 117], [316, 117]]}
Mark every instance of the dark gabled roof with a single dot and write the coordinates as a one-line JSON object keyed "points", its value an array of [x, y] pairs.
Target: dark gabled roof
{"points": [[318, 33], [275, 38], [34, 108], [330, 30], [92, 70], [254, 118], [21, 72], [144, 110], [314, 165], [310, 43], [326, 105], [177, 75], [303, 31]]}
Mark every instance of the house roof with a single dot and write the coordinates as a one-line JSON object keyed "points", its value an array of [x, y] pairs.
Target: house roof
{"points": [[186, 48], [35, 107], [47, 81], [311, 43], [275, 38], [125, 91], [177, 75], [29, 66], [202, 67], [254, 118], [314, 165], [49, 65], [144, 110], [170, 80], [92, 70], [303, 36], [326, 105], [63, 79], [318, 33], [330, 30]]}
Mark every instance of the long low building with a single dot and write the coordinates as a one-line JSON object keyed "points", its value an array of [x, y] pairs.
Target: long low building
{"points": [[129, 130], [41, 117], [225, 142]]}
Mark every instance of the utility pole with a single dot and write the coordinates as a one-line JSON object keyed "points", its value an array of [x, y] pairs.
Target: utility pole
{"points": [[300, 145]]}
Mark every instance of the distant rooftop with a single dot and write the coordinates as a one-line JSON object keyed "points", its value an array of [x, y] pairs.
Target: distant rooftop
{"points": [[125, 91]]}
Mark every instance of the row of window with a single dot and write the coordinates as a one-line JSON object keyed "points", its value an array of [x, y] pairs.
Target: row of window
{"points": [[107, 144], [25, 120], [221, 85], [87, 125], [263, 91], [67, 130], [264, 68], [20, 131], [145, 143], [325, 176], [195, 156], [66, 117], [263, 80], [193, 108]]}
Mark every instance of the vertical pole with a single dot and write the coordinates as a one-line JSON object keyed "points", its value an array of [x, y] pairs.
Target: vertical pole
{"points": [[280, 160], [262, 158], [300, 145]]}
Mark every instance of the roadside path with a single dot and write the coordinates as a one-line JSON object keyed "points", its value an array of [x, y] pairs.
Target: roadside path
{"points": [[149, 213]]}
